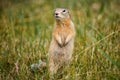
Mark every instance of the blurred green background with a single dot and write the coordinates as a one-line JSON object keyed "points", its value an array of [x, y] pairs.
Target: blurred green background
{"points": [[25, 35]]}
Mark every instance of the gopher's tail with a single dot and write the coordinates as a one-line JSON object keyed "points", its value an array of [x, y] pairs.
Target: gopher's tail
{"points": [[39, 65]]}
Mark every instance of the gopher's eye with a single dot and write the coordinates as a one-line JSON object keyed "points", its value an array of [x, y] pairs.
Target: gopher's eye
{"points": [[64, 10]]}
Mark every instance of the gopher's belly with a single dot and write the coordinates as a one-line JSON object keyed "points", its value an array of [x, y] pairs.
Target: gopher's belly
{"points": [[62, 55]]}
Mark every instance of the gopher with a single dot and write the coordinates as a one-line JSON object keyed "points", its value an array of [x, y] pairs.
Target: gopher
{"points": [[62, 43]]}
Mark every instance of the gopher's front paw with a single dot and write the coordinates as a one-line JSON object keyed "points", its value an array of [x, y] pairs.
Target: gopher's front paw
{"points": [[65, 44], [61, 45]]}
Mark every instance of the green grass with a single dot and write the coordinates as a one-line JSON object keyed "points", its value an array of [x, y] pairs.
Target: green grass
{"points": [[25, 35]]}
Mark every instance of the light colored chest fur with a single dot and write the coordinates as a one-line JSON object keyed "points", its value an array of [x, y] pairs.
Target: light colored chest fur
{"points": [[64, 30]]}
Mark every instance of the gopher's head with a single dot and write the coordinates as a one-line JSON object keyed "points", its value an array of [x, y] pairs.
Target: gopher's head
{"points": [[61, 14]]}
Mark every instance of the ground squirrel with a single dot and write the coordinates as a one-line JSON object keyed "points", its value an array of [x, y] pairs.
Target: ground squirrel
{"points": [[61, 47]]}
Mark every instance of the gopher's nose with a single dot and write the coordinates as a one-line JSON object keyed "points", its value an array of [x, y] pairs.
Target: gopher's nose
{"points": [[56, 14]]}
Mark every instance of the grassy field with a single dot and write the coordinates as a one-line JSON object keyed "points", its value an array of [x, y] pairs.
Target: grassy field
{"points": [[25, 35]]}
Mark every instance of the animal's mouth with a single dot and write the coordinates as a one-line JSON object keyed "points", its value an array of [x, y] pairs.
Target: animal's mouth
{"points": [[57, 17]]}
